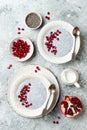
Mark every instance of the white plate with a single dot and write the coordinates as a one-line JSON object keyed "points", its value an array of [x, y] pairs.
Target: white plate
{"points": [[57, 59], [27, 72]]}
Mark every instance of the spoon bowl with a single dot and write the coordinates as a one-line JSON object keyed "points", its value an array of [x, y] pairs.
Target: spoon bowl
{"points": [[76, 31]]}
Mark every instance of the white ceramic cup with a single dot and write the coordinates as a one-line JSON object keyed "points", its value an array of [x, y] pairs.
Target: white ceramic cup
{"points": [[70, 77]]}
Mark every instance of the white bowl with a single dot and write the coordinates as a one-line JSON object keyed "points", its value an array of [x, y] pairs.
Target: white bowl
{"points": [[29, 54], [39, 18]]}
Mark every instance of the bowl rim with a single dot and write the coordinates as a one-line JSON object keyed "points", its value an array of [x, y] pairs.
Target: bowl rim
{"points": [[39, 15], [29, 55]]}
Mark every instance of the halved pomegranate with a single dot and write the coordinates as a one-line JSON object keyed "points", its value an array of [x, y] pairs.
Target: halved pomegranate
{"points": [[71, 106]]}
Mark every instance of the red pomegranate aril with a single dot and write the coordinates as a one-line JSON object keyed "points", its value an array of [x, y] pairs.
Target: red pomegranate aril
{"points": [[19, 28], [20, 48], [48, 13], [47, 17], [54, 47], [57, 122], [19, 32], [10, 66], [35, 71], [71, 106], [22, 29], [30, 104], [70, 112], [23, 104], [77, 102], [23, 96], [57, 39], [38, 68], [58, 117], [29, 84], [49, 41], [26, 102], [60, 32], [54, 122]]}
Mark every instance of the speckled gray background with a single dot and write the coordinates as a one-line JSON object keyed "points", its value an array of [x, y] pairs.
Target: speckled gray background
{"points": [[12, 15]]}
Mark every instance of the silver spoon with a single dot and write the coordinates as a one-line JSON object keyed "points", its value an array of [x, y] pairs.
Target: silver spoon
{"points": [[51, 89], [76, 33]]}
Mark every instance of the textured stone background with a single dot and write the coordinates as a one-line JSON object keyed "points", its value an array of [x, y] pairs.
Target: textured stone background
{"points": [[12, 15]]}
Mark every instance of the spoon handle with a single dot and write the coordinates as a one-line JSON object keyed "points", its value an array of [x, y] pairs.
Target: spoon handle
{"points": [[73, 54], [77, 85], [45, 108]]}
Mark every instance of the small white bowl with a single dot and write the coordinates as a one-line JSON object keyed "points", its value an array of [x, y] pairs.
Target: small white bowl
{"points": [[40, 18], [29, 54]]}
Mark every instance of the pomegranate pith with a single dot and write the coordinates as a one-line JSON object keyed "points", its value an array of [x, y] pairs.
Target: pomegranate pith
{"points": [[71, 106]]}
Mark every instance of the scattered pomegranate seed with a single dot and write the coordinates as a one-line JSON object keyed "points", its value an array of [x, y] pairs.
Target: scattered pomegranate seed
{"points": [[35, 71], [58, 117], [22, 29], [29, 84], [49, 41], [10, 66], [57, 122], [23, 104], [23, 96], [20, 48], [38, 68], [47, 17], [19, 32], [19, 28], [54, 122], [48, 13]]}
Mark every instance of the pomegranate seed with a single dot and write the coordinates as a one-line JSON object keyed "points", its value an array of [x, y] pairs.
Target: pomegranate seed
{"points": [[58, 117], [48, 13], [57, 122], [57, 39], [38, 68], [54, 122], [47, 17], [9, 67], [23, 104], [29, 84], [26, 102], [19, 28], [23, 96], [19, 32], [22, 29], [35, 71], [49, 42], [20, 48]]}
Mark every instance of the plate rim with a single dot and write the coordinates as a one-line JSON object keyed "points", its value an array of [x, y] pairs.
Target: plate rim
{"points": [[51, 107]]}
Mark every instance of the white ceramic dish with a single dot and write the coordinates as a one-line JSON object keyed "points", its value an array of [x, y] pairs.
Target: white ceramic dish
{"points": [[28, 56], [45, 76], [70, 77], [40, 18], [57, 24]]}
